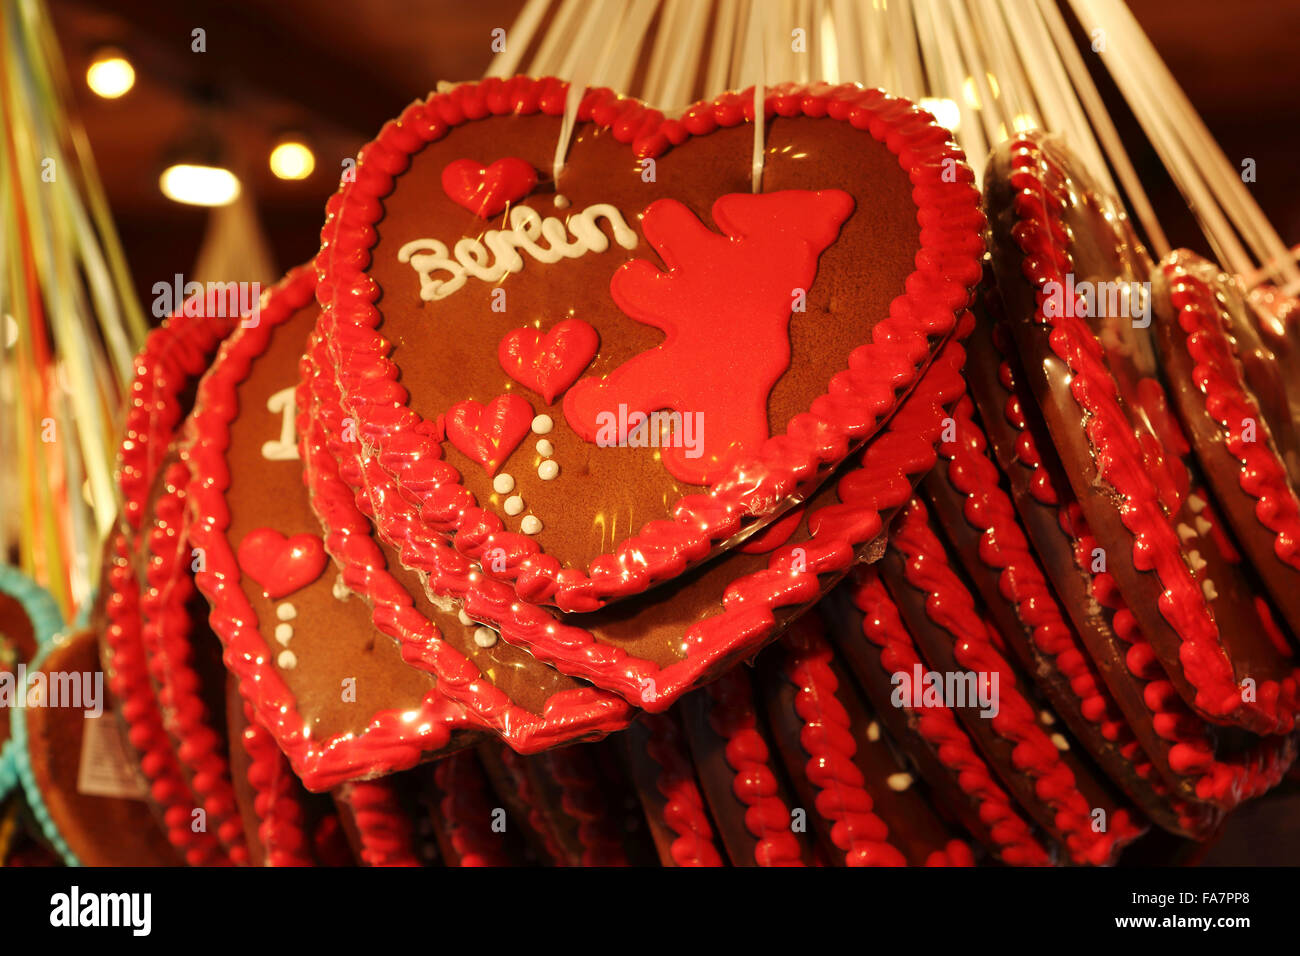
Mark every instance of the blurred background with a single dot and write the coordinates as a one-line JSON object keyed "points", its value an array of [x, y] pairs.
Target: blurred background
{"points": [[327, 74]]}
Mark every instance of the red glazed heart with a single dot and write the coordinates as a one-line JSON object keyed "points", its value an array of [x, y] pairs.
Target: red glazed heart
{"points": [[281, 565], [486, 190], [550, 363], [489, 433]]}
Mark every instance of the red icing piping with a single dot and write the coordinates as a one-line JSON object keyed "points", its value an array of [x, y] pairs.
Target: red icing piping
{"points": [[541, 826], [464, 808], [582, 799], [280, 827], [949, 605], [392, 740], [174, 355], [854, 406], [827, 738], [1191, 754], [767, 818], [383, 825], [128, 679], [796, 574], [349, 539], [1003, 547], [684, 811], [1119, 457], [1229, 403], [166, 629], [938, 726]]}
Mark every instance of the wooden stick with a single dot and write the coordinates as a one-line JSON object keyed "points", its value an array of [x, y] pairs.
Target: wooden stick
{"points": [[518, 37]]}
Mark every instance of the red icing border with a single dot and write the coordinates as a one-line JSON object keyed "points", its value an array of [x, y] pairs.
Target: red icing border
{"points": [[174, 355], [392, 740], [572, 714], [767, 818], [166, 629], [857, 400], [1219, 380], [950, 606], [465, 811], [582, 798], [1156, 546], [383, 825], [1222, 783], [938, 726], [684, 807], [280, 827], [795, 574], [826, 736]]}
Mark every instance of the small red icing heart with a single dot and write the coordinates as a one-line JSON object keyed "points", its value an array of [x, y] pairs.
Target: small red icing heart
{"points": [[489, 433], [550, 363], [281, 565], [485, 191]]}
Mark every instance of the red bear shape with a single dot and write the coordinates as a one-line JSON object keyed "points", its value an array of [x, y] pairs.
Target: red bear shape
{"points": [[724, 304]]}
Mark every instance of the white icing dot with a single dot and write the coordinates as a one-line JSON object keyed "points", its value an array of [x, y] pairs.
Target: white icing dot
{"points": [[514, 505], [548, 470], [341, 591], [1209, 590], [1203, 526], [873, 731], [545, 448], [1185, 532], [1195, 560], [542, 425], [531, 524], [1047, 717], [283, 632], [1196, 503], [485, 637], [286, 612], [561, 202], [464, 618], [899, 781], [503, 484], [1059, 742], [287, 660]]}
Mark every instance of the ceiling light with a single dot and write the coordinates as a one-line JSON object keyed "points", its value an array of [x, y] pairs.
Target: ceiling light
{"points": [[199, 185], [110, 75], [292, 159]]}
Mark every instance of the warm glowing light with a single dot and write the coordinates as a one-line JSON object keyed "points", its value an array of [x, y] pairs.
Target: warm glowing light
{"points": [[1023, 122], [945, 111], [110, 75], [199, 185], [292, 160]]}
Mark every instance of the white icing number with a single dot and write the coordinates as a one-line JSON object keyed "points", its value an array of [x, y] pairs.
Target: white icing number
{"points": [[498, 253], [284, 448]]}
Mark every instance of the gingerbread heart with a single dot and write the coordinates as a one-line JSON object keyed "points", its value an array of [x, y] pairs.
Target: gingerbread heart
{"points": [[745, 343], [489, 433], [548, 364], [486, 190], [1073, 278], [279, 564]]}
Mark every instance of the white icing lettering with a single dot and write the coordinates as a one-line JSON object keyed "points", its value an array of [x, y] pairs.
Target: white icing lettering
{"points": [[497, 255], [284, 448]]}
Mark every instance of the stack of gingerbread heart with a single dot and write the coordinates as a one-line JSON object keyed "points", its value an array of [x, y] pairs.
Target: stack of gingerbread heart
{"points": [[533, 456]]}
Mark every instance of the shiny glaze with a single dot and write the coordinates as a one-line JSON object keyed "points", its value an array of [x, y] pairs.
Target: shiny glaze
{"points": [[698, 524], [1147, 468], [950, 606], [1012, 838]]}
